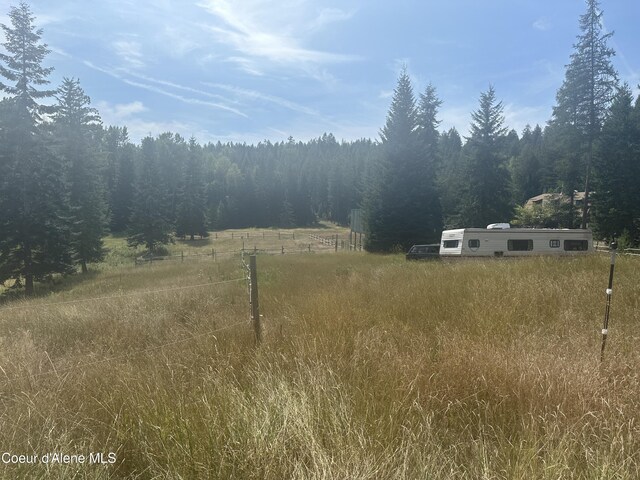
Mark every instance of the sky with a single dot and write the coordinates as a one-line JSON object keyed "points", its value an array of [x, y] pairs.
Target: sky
{"points": [[255, 70]]}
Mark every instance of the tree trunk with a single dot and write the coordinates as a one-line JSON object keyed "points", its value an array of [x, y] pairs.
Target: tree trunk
{"points": [[28, 286], [585, 202], [28, 275]]}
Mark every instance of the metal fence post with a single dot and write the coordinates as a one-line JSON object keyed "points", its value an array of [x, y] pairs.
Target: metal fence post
{"points": [[253, 296]]}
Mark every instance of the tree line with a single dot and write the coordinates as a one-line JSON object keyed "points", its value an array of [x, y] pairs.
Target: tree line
{"points": [[67, 180], [425, 179]]}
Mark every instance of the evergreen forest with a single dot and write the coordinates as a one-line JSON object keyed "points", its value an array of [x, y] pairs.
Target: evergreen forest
{"points": [[67, 180]]}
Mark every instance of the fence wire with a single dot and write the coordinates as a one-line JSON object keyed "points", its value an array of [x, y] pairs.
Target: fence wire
{"points": [[57, 372], [111, 297]]}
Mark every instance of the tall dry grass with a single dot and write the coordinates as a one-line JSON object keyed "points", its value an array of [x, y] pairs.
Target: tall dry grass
{"points": [[371, 368]]}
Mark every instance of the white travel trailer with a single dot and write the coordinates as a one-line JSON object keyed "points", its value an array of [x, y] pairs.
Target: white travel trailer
{"points": [[498, 241]]}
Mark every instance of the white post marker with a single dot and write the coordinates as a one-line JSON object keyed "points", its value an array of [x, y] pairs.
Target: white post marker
{"points": [[613, 246]]}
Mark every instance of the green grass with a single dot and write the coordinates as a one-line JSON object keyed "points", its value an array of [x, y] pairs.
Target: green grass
{"points": [[370, 368]]}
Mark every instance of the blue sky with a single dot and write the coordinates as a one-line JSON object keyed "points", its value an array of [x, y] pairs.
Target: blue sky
{"points": [[250, 70]]}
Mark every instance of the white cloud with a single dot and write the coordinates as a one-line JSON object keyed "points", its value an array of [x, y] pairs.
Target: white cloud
{"points": [[146, 86], [542, 24], [130, 51], [59, 51], [126, 114], [177, 41], [255, 95], [246, 64], [258, 31], [115, 114], [328, 16]]}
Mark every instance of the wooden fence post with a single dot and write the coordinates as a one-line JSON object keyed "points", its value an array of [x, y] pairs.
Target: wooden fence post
{"points": [[253, 298], [282, 251], [182, 255], [336, 242]]}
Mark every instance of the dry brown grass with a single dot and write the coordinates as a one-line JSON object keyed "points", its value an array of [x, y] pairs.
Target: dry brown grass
{"points": [[371, 368]]}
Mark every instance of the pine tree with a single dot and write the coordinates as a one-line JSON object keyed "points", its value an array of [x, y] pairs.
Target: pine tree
{"points": [[149, 224], [584, 97], [428, 211], [616, 198], [401, 205], [119, 176], [450, 175], [526, 167], [34, 232], [486, 196], [75, 127], [387, 197], [191, 201]]}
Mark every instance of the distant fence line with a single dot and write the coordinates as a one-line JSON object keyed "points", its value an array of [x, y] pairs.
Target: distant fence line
{"points": [[330, 241], [217, 254], [627, 251], [248, 235], [336, 242]]}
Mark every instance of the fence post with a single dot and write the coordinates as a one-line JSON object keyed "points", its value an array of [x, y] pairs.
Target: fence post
{"points": [[282, 251], [605, 328], [253, 298], [336, 242], [309, 248], [294, 235]]}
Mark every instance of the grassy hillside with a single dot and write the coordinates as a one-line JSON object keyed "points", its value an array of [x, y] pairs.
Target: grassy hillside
{"points": [[371, 368]]}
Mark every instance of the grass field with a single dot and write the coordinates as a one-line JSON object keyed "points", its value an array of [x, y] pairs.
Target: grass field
{"points": [[370, 368]]}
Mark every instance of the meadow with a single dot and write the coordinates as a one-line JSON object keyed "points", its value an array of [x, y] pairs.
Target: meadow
{"points": [[371, 367]]}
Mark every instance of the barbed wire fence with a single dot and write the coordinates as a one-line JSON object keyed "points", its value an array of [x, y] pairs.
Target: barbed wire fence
{"points": [[246, 276], [249, 275], [334, 242]]}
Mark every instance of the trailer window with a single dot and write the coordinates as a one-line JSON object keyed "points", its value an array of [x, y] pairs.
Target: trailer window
{"points": [[519, 245], [554, 243], [576, 245], [474, 244], [450, 243]]}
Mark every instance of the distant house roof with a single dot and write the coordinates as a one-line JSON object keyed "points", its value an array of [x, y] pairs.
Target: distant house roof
{"points": [[578, 198], [544, 198]]}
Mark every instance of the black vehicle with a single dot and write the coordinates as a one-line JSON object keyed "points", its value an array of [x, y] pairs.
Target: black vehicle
{"points": [[424, 252]]}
